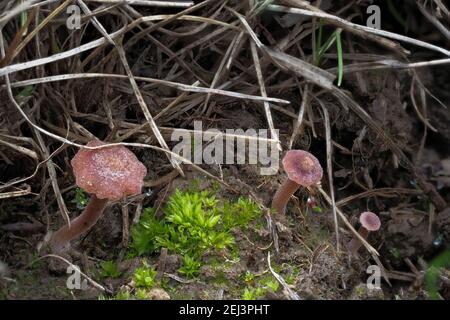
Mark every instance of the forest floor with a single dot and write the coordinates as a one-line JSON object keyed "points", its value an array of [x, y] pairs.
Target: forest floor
{"points": [[382, 137]]}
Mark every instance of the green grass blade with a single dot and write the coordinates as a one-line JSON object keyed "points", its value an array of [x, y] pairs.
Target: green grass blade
{"points": [[340, 58], [318, 43]]}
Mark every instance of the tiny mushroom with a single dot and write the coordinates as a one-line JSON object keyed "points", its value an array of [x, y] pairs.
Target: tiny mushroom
{"points": [[303, 169], [369, 222], [109, 174]]}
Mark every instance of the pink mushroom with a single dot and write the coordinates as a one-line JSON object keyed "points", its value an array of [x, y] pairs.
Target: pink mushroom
{"points": [[369, 222], [303, 169], [110, 173]]}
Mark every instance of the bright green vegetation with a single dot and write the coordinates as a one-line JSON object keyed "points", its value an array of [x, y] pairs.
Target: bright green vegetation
{"points": [[321, 49], [194, 223], [252, 293], [121, 295], [144, 279], [81, 199], [432, 274], [190, 267], [256, 288], [25, 92], [141, 294], [198, 226], [109, 269], [145, 276]]}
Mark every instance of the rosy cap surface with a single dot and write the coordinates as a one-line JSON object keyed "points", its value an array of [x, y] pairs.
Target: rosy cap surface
{"points": [[109, 173], [370, 221], [302, 167]]}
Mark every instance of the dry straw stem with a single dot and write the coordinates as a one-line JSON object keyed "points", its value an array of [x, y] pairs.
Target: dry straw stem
{"points": [[424, 103], [160, 24], [291, 294], [434, 20], [36, 170], [352, 27], [271, 226], [210, 21], [16, 41], [388, 64], [59, 56], [175, 102], [288, 62], [220, 70], [304, 69], [329, 148], [54, 179], [382, 192], [149, 3], [25, 151], [348, 224], [35, 31], [205, 22], [171, 84], [125, 225], [18, 193], [132, 129], [301, 113], [264, 93], [145, 109], [157, 182], [443, 8], [95, 21], [9, 14], [138, 212], [94, 283]]}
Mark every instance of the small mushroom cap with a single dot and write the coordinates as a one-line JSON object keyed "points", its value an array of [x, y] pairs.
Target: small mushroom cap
{"points": [[302, 167], [370, 221], [110, 173]]}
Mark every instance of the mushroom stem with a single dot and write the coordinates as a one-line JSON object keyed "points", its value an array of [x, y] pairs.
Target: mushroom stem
{"points": [[79, 225], [355, 243], [283, 194]]}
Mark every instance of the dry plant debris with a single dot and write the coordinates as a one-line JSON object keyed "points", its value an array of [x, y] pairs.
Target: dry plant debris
{"points": [[371, 104]]}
